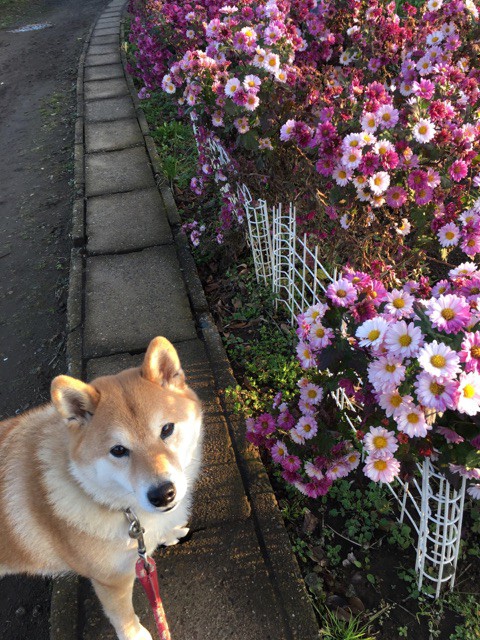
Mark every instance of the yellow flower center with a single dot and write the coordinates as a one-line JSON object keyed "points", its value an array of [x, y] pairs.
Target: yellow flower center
{"points": [[371, 122], [475, 351], [307, 428], [352, 458], [341, 293], [422, 129], [438, 361], [390, 368], [448, 314], [396, 400], [319, 332], [399, 303], [379, 442], [386, 117], [449, 235], [312, 393], [380, 465], [352, 157], [342, 174], [470, 242], [413, 418], [436, 388], [356, 280], [373, 335], [354, 143], [378, 181], [405, 340], [469, 391]]}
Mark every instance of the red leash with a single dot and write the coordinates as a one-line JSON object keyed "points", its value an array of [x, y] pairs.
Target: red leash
{"points": [[146, 571]]}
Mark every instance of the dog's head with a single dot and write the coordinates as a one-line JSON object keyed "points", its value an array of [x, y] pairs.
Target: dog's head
{"points": [[135, 436]]}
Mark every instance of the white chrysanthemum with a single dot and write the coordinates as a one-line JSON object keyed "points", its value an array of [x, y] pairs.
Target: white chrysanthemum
{"points": [[474, 491], [341, 175], [406, 88], [371, 332], [404, 227], [352, 141], [381, 147], [380, 443], [437, 359], [381, 469], [424, 66], [435, 38], [272, 62], [232, 86], [403, 339], [379, 182], [468, 393], [369, 122], [424, 130], [363, 194], [434, 5]]}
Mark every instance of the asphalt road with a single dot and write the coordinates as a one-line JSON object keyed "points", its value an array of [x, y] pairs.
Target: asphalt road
{"points": [[38, 72]]}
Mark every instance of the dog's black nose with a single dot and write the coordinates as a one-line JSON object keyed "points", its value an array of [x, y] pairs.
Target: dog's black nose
{"points": [[162, 495]]}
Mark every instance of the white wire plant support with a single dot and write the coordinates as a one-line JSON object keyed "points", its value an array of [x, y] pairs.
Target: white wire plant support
{"points": [[285, 262]]}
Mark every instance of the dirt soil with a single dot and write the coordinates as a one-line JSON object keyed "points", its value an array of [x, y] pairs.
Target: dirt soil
{"points": [[37, 112]]}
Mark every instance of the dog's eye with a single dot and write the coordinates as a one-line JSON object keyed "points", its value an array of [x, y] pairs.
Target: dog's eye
{"points": [[167, 430], [118, 451]]}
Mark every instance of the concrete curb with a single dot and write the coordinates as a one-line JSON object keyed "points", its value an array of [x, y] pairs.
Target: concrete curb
{"points": [[297, 613]]}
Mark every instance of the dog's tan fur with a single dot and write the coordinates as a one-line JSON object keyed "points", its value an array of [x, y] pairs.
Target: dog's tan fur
{"points": [[62, 492]]}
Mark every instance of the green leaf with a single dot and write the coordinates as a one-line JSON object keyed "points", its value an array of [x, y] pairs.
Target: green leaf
{"points": [[472, 461]]}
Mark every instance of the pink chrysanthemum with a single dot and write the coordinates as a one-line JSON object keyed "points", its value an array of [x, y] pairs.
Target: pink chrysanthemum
{"points": [[381, 469], [352, 460], [449, 313], [450, 435], [439, 360], [435, 394], [380, 443], [279, 451], [470, 353], [338, 470], [386, 372], [315, 313], [291, 463], [411, 420], [396, 197], [449, 235], [342, 293], [305, 355], [306, 427], [392, 401], [320, 336], [400, 304]]}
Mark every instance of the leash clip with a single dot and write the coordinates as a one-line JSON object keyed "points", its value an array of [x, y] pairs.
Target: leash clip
{"points": [[136, 531]]}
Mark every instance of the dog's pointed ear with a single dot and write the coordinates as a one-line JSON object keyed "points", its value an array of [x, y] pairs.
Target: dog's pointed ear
{"points": [[162, 364], [74, 400]]}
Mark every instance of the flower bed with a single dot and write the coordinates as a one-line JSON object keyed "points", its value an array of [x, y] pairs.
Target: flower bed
{"points": [[378, 111]]}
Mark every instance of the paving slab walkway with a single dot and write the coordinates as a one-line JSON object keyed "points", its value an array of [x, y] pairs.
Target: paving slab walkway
{"points": [[132, 278]]}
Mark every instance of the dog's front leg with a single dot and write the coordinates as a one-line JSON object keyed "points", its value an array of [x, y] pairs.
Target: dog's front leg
{"points": [[116, 598]]}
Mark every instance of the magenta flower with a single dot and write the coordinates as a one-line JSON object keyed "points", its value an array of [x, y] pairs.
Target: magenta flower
{"points": [[458, 170], [291, 463]]}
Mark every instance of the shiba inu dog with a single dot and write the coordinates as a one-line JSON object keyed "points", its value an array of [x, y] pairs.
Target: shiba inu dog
{"points": [[71, 467]]}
